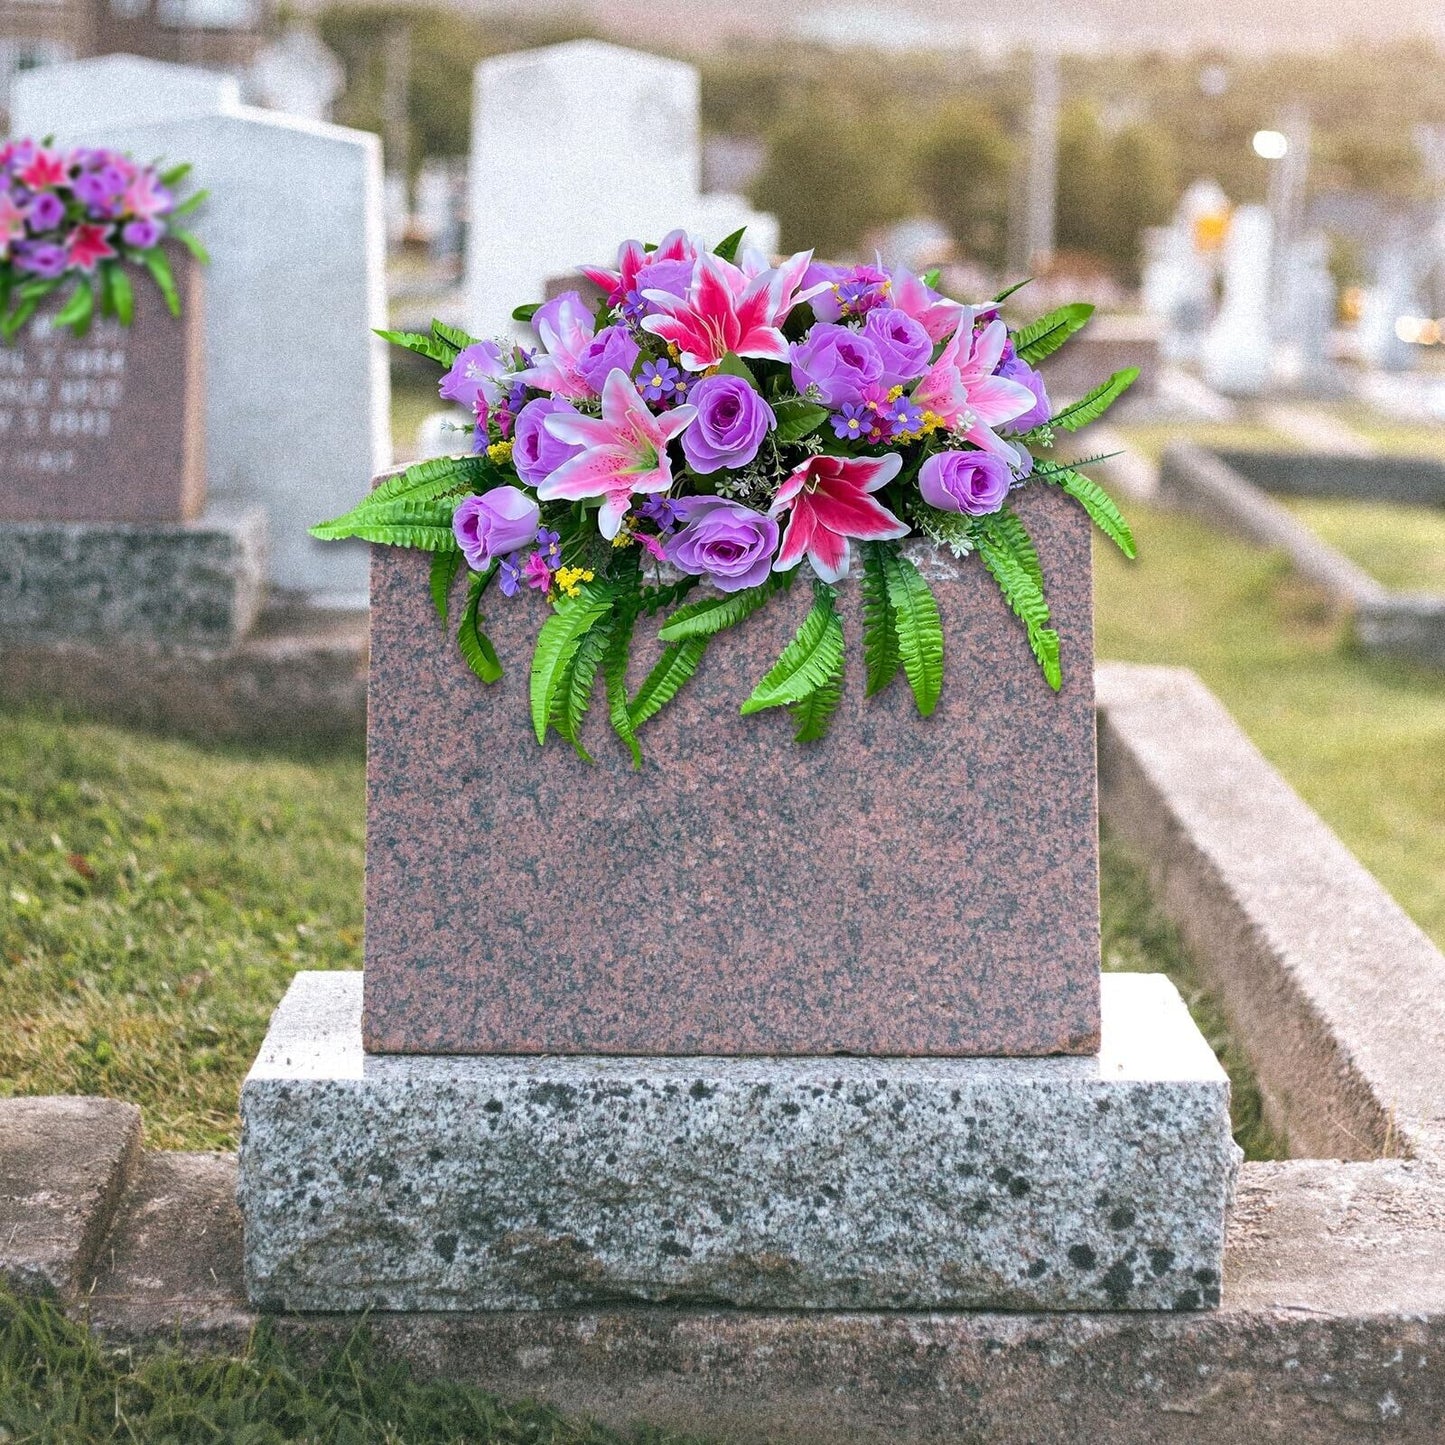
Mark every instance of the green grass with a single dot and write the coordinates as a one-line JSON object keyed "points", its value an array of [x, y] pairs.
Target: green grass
{"points": [[1360, 738], [58, 1386], [1403, 547], [1150, 438]]}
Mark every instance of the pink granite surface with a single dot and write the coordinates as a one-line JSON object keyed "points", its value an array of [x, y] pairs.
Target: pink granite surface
{"points": [[908, 886]]}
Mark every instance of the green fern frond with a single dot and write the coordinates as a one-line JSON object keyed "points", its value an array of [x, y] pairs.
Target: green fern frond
{"points": [[427, 346], [557, 644], [474, 644], [714, 614], [1048, 333], [1008, 530], [1027, 600], [919, 629], [452, 336], [880, 637], [405, 523], [435, 477], [678, 662], [574, 696], [1091, 407], [444, 568], [1101, 507], [814, 713], [809, 661], [614, 676]]}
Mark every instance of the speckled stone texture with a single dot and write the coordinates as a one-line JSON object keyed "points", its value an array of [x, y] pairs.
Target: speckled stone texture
{"points": [[907, 887], [504, 1183]]}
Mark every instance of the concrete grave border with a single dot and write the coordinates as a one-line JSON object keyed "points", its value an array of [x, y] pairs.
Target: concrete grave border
{"points": [[1332, 1326], [1231, 488]]}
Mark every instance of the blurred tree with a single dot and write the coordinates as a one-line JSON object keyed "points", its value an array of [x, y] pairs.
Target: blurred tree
{"points": [[1142, 186], [961, 170], [1084, 197]]}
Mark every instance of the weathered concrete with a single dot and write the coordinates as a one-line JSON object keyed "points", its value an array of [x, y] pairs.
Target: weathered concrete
{"points": [[1332, 1331], [1337, 997], [416, 1182], [64, 1163], [192, 585]]}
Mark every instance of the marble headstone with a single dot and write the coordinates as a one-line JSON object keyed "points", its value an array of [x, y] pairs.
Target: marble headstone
{"points": [[1238, 351], [297, 391]]}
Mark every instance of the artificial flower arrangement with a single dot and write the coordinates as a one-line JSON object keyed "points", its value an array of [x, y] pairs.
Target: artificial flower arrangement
{"points": [[85, 214], [716, 417]]}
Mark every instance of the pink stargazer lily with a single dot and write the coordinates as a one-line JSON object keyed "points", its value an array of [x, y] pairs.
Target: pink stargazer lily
{"points": [[936, 314], [566, 328], [87, 245], [626, 452], [46, 169], [829, 502], [631, 258], [966, 394], [12, 224], [725, 310]]}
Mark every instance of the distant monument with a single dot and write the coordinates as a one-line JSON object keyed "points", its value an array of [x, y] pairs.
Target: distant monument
{"points": [[1238, 352]]}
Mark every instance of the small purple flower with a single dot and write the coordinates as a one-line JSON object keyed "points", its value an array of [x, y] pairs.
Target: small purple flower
{"points": [[549, 548], [661, 511], [634, 308], [45, 212], [902, 344], [536, 453], [729, 544], [612, 349], [657, 379], [142, 234], [501, 520], [905, 417], [1015, 370], [852, 421], [40, 258], [732, 420], [838, 364], [973, 482], [509, 574], [852, 290]]}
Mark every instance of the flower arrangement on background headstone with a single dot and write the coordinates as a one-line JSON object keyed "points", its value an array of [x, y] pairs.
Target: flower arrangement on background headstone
{"points": [[719, 418], [78, 219]]}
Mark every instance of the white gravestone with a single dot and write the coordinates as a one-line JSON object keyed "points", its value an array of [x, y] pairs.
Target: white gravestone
{"points": [[296, 74], [297, 395], [576, 148], [1238, 351]]}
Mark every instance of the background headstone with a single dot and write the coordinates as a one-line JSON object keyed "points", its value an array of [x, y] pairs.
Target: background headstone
{"points": [[108, 427], [297, 74], [1238, 351], [297, 392]]}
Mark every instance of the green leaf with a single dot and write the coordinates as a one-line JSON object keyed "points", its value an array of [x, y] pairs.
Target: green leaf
{"points": [[196, 198], [527, 312], [814, 714], [1048, 333], [427, 346], [1097, 402], [734, 365], [177, 173], [1009, 290], [557, 644], [120, 293], [404, 523], [880, 637], [932, 278], [614, 675], [953, 530], [160, 269], [435, 477], [444, 568], [474, 644], [714, 614], [1026, 599], [1100, 506], [727, 248], [452, 336], [920, 632], [77, 310], [677, 663], [653, 600], [1009, 531], [19, 316], [809, 661], [192, 243], [575, 695], [797, 419]]}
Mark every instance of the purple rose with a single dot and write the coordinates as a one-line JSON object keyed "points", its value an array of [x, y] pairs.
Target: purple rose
{"points": [[536, 453], [839, 363], [90, 186], [732, 420], [473, 376], [45, 212], [1015, 370], [142, 234], [674, 277], [612, 349], [40, 258], [493, 524], [729, 544], [902, 343], [972, 482]]}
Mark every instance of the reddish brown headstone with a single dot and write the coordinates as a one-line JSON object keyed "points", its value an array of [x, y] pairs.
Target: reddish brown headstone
{"points": [[908, 886], [107, 427]]}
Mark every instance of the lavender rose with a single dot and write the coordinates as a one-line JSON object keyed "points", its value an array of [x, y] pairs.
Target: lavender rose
{"points": [[840, 363], [1015, 370], [473, 376], [536, 453], [612, 349], [972, 482], [497, 522], [902, 344], [729, 544], [142, 233], [732, 420]]}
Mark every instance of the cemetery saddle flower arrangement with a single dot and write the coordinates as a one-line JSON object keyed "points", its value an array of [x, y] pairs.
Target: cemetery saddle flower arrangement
{"points": [[715, 417], [85, 215]]}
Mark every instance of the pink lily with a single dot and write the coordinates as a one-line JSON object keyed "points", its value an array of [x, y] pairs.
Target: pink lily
{"points": [[12, 224], [46, 169], [626, 452], [936, 314], [87, 245], [631, 258], [565, 326], [966, 394], [145, 197], [726, 310], [830, 502]]}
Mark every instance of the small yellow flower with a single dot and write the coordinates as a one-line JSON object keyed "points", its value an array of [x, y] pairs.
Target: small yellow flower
{"points": [[567, 579], [623, 539], [500, 452], [895, 393]]}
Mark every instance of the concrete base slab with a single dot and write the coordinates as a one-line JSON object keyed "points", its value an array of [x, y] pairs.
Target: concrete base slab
{"points": [[407, 1182], [64, 1163]]}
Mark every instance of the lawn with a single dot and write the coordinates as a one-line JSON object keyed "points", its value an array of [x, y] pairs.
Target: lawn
{"points": [[1403, 547]]}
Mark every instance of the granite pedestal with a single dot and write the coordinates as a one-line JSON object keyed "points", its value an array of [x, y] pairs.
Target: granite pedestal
{"points": [[390, 1182]]}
